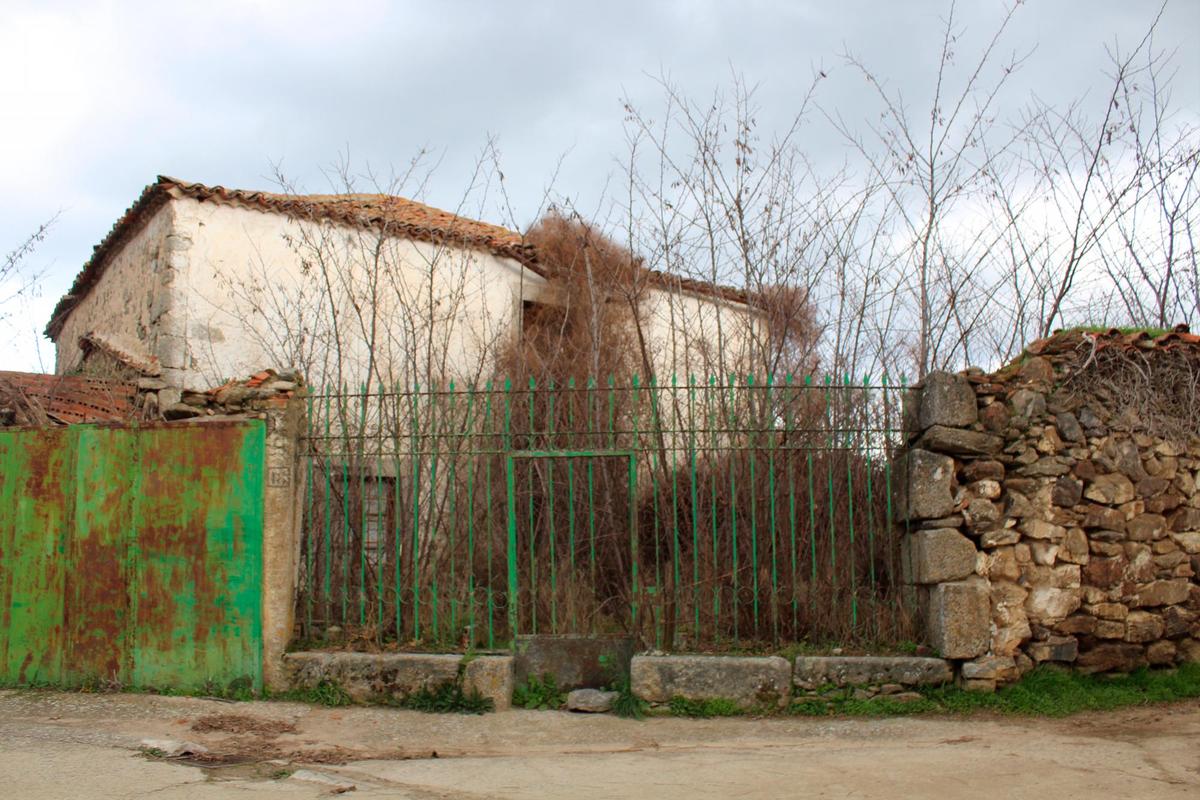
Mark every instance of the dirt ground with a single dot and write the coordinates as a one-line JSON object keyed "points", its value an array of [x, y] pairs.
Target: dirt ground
{"points": [[60, 745]]}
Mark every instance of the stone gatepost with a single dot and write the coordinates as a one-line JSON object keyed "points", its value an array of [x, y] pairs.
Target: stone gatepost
{"points": [[946, 493], [283, 494]]}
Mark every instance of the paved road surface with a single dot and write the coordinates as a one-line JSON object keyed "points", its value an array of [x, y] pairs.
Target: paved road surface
{"points": [[59, 745]]}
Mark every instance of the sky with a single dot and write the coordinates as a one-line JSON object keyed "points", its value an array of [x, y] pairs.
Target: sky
{"points": [[96, 99]]}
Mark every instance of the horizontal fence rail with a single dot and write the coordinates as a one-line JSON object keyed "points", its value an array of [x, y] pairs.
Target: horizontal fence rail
{"points": [[696, 514]]}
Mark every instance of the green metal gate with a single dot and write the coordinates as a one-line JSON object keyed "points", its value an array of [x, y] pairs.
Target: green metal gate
{"points": [[132, 556]]}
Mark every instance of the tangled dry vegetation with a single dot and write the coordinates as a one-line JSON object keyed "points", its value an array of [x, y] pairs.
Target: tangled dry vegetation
{"points": [[1147, 385], [592, 329]]}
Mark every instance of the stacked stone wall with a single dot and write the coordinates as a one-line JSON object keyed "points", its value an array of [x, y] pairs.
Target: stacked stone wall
{"points": [[1041, 527]]}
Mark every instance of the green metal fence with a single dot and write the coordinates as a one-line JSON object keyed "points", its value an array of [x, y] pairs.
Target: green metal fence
{"points": [[707, 513]]}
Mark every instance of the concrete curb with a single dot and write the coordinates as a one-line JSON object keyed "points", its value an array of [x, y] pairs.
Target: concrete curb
{"points": [[376, 677], [748, 681]]}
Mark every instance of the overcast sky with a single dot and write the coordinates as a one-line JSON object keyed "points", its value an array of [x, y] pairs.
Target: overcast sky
{"points": [[98, 98]]}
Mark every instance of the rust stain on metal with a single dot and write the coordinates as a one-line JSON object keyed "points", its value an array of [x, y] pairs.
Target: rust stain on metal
{"points": [[36, 502], [133, 555], [98, 579]]}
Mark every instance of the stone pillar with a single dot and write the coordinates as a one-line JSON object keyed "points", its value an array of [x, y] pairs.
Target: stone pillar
{"points": [[940, 560], [283, 494]]}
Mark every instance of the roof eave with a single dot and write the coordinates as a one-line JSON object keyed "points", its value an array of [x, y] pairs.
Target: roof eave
{"points": [[130, 224]]}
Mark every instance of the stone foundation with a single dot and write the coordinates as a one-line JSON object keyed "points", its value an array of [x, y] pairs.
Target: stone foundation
{"points": [[391, 677], [896, 677], [753, 683], [748, 681], [576, 662]]}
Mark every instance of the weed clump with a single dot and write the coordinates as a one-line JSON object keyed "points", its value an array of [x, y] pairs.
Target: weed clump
{"points": [[448, 698], [628, 704], [712, 707], [1046, 691], [324, 693], [541, 694]]}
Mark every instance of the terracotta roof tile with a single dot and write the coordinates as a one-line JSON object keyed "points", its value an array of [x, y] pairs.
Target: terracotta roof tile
{"points": [[70, 399], [397, 215], [1065, 341]]}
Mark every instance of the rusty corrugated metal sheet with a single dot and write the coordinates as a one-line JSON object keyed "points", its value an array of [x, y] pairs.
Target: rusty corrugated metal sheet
{"points": [[97, 556], [132, 555], [72, 399]]}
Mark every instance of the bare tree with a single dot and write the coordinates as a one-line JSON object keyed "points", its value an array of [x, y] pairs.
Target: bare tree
{"points": [[1152, 256], [933, 168], [707, 200], [19, 281]]}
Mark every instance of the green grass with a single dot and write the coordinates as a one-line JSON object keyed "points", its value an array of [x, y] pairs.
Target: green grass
{"points": [[325, 693], [712, 707], [628, 704], [1154, 332], [239, 689], [1046, 691], [449, 698], [541, 694]]}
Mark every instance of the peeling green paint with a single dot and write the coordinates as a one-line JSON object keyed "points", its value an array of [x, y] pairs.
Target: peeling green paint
{"points": [[132, 555]]}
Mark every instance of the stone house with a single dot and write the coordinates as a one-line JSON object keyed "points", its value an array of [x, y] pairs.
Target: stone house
{"points": [[198, 284]]}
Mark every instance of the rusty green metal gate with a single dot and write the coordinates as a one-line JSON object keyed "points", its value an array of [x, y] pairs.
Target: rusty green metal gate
{"points": [[132, 556]]}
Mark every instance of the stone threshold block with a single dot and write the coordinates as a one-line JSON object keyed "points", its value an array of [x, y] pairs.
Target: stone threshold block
{"points": [[380, 677], [748, 681], [812, 672]]}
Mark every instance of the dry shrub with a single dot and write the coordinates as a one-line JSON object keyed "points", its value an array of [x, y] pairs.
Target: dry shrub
{"points": [[792, 330], [589, 337], [589, 326], [1155, 391]]}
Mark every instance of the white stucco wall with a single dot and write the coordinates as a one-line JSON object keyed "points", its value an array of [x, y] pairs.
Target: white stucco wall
{"points": [[344, 304], [134, 297], [691, 334]]}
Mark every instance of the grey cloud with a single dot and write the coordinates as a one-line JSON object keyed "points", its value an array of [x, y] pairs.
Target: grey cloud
{"points": [[219, 102]]}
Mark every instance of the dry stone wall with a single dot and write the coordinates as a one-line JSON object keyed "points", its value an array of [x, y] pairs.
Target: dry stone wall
{"points": [[1042, 529]]}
